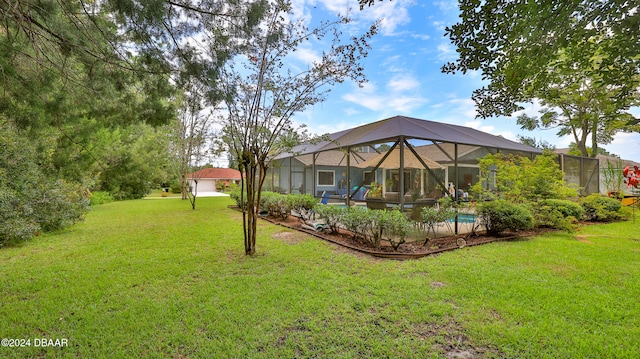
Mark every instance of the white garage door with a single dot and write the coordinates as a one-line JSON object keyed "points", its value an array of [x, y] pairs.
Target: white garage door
{"points": [[206, 185]]}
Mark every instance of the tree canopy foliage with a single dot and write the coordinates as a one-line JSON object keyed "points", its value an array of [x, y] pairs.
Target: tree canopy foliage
{"points": [[516, 45], [578, 103], [88, 86]]}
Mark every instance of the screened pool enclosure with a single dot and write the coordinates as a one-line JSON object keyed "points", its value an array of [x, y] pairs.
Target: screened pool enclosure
{"points": [[402, 162]]}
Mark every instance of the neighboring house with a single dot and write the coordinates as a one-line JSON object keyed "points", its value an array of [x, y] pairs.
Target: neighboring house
{"points": [[208, 178]]}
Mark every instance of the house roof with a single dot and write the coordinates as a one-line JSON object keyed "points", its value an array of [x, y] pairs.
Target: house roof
{"points": [[393, 128], [335, 158], [216, 173], [444, 152], [392, 160]]}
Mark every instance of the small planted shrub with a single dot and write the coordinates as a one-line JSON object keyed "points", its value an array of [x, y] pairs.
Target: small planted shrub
{"points": [[301, 204], [236, 195], [331, 216], [500, 216], [431, 216], [357, 220], [557, 213], [600, 208], [395, 227], [375, 225], [220, 186], [276, 204], [101, 197], [176, 187]]}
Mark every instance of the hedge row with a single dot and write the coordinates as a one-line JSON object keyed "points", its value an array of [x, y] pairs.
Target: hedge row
{"points": [[498, 216]]}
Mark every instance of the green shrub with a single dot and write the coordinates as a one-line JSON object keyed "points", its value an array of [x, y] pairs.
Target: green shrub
{"points": [[58, 204], [31, 199], [520, 179], [220, 186], [600, 208], [236, 195], [557, 213], [376, 225], [275, 204], [356, 220], [301, 204], [18, 223], [395, 227], [565, 207], [101, 197], [432, 215], [332, 216], [176, 187], [500, 216]]}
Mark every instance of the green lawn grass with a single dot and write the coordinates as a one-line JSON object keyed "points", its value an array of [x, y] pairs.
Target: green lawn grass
{"points": [[154, 279]]}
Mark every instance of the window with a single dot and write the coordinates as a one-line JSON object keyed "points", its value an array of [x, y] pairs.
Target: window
{"points": [[326, 178], [369, 177]]}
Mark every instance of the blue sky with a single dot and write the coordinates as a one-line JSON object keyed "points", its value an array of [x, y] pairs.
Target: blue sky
{"points": [[404, 75]]}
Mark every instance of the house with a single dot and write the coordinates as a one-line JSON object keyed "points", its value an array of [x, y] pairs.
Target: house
{"points": [[406, 159], [208, 178], [294, 176]]}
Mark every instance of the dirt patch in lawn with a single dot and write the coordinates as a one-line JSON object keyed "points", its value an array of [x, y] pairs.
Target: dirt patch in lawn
{"points": [[448, 337], [290, 237]]}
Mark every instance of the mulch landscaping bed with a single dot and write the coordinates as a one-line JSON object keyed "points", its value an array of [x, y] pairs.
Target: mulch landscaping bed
{"points": [[405, 251]]}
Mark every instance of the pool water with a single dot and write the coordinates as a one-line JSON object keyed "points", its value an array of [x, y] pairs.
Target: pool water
{"points": [[464, 218]]}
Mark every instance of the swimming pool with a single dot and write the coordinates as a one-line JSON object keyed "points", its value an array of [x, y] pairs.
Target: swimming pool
{"points": [[464, 218]]}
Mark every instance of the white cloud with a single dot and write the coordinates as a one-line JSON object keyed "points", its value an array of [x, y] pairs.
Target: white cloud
{"points": [[446, 52], [399, 95], [372, 102], [530, 109], [403, 83], [421, 36], [440, 25], [473, 124], [351, 111], [393, 98], [300, 9], [306, 55], [447, 5], [405, 104], [464, 107], [392, 14]]}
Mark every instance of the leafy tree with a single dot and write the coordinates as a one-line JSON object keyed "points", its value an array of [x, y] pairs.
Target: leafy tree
{"points": [[32, 199], [514, 44], [77, 75], [134, 160], [579, 104], [520, 180], [574, 150], [66, 86], [189, 135], [263, 92], [533, 142]]}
